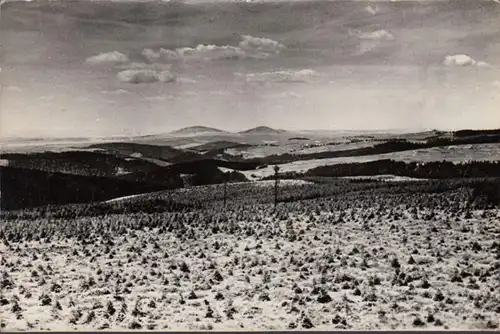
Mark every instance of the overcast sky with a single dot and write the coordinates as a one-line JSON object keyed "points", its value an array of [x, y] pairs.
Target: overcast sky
{"points": [[97, 69]]}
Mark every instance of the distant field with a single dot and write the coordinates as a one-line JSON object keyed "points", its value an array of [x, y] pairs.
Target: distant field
{"points": [[456, 154], [391, 178], [390, 257], [299, 147]]}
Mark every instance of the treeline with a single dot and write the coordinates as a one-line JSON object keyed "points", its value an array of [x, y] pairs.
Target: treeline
{"points": [[160, 152], [117, 159], [395, 145], [111, 164], [27, 188], [468, 133], [202, 172], [386, 147], [430, 170], [77, 162], [465, 140], [486, 193], [73, 211]]}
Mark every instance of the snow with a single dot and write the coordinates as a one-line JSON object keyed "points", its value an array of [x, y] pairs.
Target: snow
{"points": [[270, 183], [456, 154], [226, 170], [121, 171], [189, 145], [123, 198], [388, 177], [147, 273], [297, 147]]}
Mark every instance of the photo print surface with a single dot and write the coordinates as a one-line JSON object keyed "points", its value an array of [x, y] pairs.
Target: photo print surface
{"points": [[249, 165]]}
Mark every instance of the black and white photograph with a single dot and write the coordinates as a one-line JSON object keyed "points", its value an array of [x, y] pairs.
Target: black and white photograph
{"points": [[249, 165]]}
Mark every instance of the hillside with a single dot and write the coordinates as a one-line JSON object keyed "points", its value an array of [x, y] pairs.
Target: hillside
{"points": [[27, 188], [196, 131], [219, 145], [263, 130], [386, 146], [77, 162], [469, 133], [32, 187], [121, 158], [203, 172], [160, 152], [343, 256], [428, 170]]}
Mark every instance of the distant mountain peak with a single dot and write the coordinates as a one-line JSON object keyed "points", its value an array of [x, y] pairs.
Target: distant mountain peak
{"points": [[263, 129], [196, 130]]}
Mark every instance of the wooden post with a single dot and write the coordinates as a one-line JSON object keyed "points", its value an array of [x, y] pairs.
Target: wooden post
{"points": [[225, 189], [276, 170]]}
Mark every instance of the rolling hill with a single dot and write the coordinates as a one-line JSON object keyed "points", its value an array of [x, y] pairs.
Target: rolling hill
{"points": [[219, 145], [86, 163], [31, 187], [27, 188], [263, 130], [203, 172], [197, 131], [160, 152]]}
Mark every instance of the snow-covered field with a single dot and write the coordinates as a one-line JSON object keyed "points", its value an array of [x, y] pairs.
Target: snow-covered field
{"points": [[298, 147], [392, 178], [361, 262], [456, 154], [118, 199], [232, 185], [270, 183]]}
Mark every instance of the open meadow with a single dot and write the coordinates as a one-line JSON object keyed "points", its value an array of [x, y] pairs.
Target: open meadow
{"points": [[361, 255], [249, 165]]}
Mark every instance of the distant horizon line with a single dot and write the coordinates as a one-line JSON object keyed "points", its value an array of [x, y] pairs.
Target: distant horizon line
{"points": [[172, 132]]}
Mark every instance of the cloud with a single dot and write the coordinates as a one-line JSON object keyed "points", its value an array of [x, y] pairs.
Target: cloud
{"points": [[371, 40], [463, 60], [372, 9], [260, 45], [496, 83], [483, 64], [163, 55], [137, 73], [144, 66], [279, 76], [202, 52], [248, 47], [133, 72], [458, 60], [210, 52], [377, 35], [108, 58], [150, 54], [138, 76]]}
